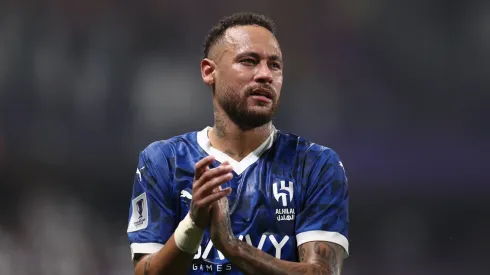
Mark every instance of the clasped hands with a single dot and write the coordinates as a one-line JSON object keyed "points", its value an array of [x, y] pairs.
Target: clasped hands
{"points": [[209, 204]]}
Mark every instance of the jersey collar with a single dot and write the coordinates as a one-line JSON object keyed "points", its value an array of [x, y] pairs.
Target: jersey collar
{"points": [[238, 166]]}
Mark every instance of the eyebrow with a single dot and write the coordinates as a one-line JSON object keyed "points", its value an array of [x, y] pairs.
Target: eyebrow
{"points": [[273, 57]]}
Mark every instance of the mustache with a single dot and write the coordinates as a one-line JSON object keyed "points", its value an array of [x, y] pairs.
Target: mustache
{"points": [[263, 89]]}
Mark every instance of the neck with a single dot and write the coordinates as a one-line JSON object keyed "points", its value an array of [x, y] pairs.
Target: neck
{"points": [[227, 137]]}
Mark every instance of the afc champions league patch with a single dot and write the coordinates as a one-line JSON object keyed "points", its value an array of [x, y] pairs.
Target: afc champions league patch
{"points": [[139, 216]]}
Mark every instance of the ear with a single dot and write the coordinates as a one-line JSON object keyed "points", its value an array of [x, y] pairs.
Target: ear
{"points": [[208, 71]]}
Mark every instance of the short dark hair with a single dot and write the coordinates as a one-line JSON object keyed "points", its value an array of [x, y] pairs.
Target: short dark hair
{"points": [[236, 19]]}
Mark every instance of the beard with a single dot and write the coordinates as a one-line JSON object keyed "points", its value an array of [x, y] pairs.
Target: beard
{"points": [[244, 116]]}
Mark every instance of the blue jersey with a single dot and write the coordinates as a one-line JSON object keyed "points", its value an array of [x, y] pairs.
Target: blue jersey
{"points": [[287, 192]]}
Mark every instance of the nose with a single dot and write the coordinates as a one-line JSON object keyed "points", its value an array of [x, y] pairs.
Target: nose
{"points": [[263, 74]]}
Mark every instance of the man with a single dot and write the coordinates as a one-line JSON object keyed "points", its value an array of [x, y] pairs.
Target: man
{"points": [[241, 197]]}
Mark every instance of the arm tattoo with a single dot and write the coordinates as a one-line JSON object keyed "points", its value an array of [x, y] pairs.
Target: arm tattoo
{"points": [[325, 256], [302, 253], [147, 264], [254, 261], [317, 258]]}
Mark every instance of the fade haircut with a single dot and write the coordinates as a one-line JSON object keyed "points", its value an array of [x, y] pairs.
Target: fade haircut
{"points": [[238, 19]]}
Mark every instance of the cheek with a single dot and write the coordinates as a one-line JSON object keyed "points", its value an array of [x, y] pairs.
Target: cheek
{"points": [[278, 82], [236, 81], [234, 78], [241, 73]]}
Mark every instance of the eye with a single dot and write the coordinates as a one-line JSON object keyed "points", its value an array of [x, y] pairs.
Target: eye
{"points": [[276, 65], [248, 61]]}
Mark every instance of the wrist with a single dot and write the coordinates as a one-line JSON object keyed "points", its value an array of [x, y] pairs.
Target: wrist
{"points": [[188, 236], [228, 245]]}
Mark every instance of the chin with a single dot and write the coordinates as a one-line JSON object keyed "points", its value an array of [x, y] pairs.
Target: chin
{"points": [[249, 116], [257, 119], [260, 110]]}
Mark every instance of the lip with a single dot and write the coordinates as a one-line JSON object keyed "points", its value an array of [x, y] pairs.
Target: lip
{"points": [[261, 98], [262, 93]]}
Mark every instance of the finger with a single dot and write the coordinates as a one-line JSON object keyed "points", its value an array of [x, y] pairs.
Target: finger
{"points": [[217, 188], [202, 166], [203, 188], [209, 200], [213, 173], [215, 183]]}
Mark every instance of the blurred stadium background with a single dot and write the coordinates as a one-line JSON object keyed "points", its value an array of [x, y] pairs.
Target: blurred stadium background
{"points": [[400, 89]]}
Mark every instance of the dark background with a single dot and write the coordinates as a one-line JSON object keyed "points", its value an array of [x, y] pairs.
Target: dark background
{"points": [[400, 89]]}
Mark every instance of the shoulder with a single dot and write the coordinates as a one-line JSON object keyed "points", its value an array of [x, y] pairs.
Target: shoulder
{"points": [[309, 150], [162, 150]]}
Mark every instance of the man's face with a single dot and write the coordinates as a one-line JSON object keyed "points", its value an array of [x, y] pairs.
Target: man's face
{"points": [[248, 77]]}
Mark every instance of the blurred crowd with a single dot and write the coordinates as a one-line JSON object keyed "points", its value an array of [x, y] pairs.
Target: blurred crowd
{"points": [[397, 88]]}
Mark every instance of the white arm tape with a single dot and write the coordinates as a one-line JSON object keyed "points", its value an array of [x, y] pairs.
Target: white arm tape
{"points": [[188, 236]]}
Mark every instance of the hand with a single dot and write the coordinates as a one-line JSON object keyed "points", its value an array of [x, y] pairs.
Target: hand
{"points": [[220, 227], [206, 191]]}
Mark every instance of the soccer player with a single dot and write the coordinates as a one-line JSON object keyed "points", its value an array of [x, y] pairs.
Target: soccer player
{"points": [[241, 197]]}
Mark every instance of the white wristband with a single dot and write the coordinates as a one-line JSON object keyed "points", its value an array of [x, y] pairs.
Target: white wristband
{"points": [[188, 236]]}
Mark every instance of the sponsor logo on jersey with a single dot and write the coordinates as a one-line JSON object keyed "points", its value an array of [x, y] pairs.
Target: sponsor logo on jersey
{"points": [[138, 172], [203, 252], [185, 194]]}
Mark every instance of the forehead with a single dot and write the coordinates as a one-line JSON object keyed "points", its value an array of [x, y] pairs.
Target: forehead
{"points": [[257, 39]]}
